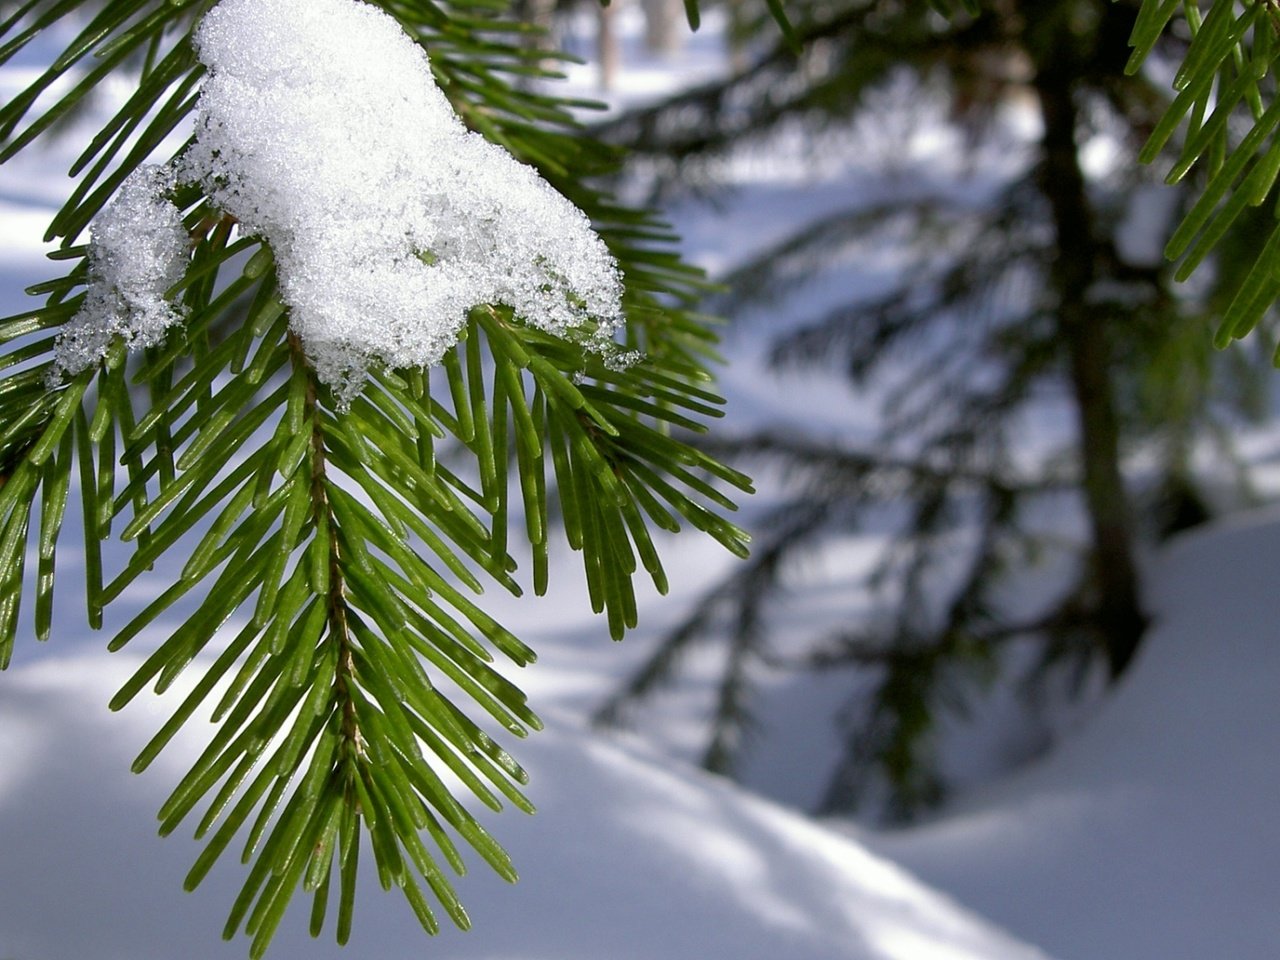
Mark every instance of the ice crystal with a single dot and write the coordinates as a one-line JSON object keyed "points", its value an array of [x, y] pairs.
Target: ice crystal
{"points": [[320, 129]]}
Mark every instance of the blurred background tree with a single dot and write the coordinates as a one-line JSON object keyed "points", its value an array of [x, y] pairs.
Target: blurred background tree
{"points": [[1044, 388]]}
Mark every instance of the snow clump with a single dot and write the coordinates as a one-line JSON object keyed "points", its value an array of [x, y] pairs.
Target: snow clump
{"points": [[320, 129], [137, 251]]}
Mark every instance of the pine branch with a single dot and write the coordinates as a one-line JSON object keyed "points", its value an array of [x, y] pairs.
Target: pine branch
{"points": [[843, 52], [885, 475], [1226, 75], [331, 522], [746, 592]]}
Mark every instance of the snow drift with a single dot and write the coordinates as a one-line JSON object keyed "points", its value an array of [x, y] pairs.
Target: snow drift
{"points": [[1152, 832], [630, 858]]}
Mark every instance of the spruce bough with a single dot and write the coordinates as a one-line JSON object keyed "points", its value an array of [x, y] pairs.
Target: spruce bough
{"points": [[331, 523]]}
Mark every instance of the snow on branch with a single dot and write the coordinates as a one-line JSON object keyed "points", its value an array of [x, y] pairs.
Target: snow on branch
{"points": [[140, 249], [320, 129]]}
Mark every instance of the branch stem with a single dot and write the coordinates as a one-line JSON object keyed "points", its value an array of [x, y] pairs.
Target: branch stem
{"points": [[336, 601]]}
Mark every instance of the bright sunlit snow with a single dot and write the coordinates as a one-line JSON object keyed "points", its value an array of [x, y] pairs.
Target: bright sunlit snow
{"points": [[138, 251], [320, 128]]}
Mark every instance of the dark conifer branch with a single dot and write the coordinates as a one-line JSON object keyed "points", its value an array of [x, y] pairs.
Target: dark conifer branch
{"points": [[1020, 297]]}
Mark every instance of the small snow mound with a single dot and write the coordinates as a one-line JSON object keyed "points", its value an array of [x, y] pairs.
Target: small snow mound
{"points": [[138, 250], [320, 129]]}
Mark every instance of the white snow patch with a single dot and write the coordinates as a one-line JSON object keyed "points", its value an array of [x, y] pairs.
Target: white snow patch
{"points": [[320, 129], [139, 249], [631, 857]]}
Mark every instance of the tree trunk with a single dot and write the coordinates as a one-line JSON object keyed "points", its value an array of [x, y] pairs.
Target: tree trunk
{"points": [[663, 25], [1084, 334], [607, 50]]}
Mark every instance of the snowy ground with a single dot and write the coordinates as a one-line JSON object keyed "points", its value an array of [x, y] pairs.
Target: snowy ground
{"points": [[1151, 833], [1148, 834], [630, 858]]}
